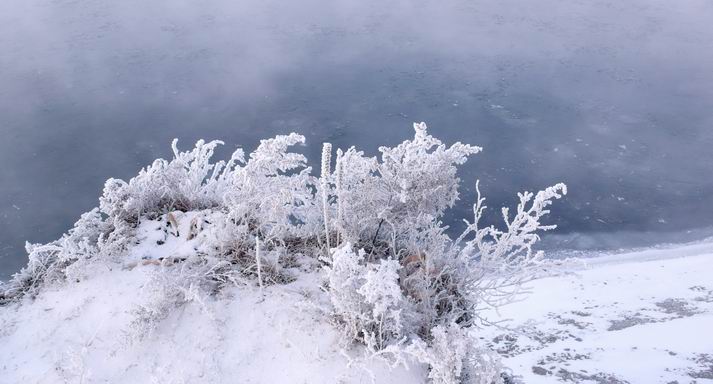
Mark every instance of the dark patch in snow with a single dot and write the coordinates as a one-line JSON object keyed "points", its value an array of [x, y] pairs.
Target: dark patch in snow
{"points": [[707, 298], [563, 357], [679, 307], [705, 367], [599, 378], [629, 321], [510, 344], [540, 371], [574, 377], [567, 321]]}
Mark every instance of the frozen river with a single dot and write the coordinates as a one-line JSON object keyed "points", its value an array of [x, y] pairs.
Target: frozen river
{"points": [[613, 98]]}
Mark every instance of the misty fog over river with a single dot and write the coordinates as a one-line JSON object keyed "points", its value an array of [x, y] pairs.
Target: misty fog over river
{"points": [[613, 98]]}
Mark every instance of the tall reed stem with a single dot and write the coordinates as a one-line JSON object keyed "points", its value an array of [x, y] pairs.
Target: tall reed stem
{"points": [[326, 160]]}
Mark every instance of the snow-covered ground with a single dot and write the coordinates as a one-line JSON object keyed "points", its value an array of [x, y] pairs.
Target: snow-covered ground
{"points": [[85, 333], [645, 317], [121, 324]]}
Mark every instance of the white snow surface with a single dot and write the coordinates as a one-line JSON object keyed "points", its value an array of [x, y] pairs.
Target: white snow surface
{"points": [[82, 333], [86, 332], [645, 317]]}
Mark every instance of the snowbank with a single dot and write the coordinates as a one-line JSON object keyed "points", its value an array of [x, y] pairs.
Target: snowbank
{"points": [[643, 317], [87, 332], [635, 319]]}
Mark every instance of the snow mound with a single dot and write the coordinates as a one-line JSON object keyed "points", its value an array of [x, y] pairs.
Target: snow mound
{"points": [[125, 325]]}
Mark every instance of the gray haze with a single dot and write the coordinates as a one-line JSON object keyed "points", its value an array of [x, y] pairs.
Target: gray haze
{"points": [[614, 98]]}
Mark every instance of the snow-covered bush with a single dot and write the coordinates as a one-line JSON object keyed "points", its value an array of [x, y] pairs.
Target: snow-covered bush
{"points": [[455, 357], [386, 200], [51, 262], [367, 298], [270, 196], [437, 287], [188, 182], [494, 263], [398, 284], [373, 310], [272, 200], [273, 194]]}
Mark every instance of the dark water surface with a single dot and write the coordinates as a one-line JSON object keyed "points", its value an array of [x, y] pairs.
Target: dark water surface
{"points": [[613, 98]]}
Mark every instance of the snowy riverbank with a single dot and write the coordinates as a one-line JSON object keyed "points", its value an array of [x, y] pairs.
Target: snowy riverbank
{"points": [[254, 270], [644, 317]]}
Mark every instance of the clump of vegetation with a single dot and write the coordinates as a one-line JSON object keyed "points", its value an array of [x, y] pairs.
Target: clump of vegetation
{"points": [[399, 285]]}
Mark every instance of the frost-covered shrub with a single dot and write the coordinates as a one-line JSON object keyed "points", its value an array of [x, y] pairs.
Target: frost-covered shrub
{"points": [[419, 176], [188, 182], [391, 209], [42, 266], [367, 298], [49, 262], [272, 200], [493, 263], [273, 194], [269, 196], [386, 200], [454, 356], [398, 284]]}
